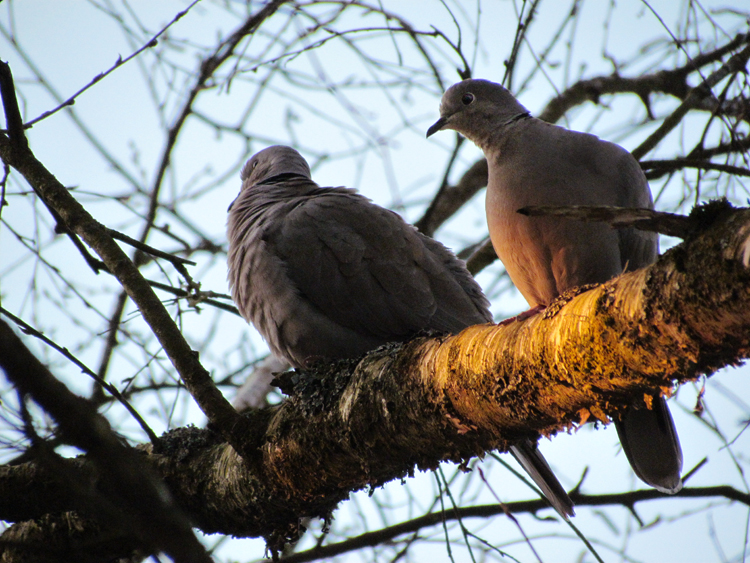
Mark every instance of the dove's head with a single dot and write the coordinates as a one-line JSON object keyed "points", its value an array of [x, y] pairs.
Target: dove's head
{"points": [[476, 109], [274, 161]]}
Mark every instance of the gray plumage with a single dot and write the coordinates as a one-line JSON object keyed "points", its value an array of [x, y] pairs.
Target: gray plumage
{"points": [[535, 163], [323, 273]]}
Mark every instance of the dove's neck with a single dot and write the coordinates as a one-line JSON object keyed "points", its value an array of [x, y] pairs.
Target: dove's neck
{"points": [[261, 202], [283, 177], [497, 129]]}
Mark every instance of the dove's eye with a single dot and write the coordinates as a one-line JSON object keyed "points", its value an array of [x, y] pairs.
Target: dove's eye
{"points": [[466, 99], [255, 165]]}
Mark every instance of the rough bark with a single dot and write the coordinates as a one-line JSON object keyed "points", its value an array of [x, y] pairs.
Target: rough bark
{"points": [[359, 424]]}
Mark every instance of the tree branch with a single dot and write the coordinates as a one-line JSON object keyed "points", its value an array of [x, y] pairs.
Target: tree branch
{"points": [[358, 424], [695, 97], [449, 199], [673, 82], [120, 62], [155, 519], [78, 221], [671, 224], [378, 537]]}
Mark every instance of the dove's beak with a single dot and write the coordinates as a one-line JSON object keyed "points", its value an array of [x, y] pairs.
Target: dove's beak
{"points": [[437, 126]]}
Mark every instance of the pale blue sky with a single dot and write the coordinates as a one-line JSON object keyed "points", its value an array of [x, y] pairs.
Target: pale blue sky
{"points": [[379, 149]]}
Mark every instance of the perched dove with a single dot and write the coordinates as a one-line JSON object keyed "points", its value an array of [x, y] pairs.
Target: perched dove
{"points": [[323, 273], [535, 163]]}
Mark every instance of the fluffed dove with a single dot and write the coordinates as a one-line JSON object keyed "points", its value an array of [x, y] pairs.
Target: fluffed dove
{"points": [[323, 273], [535, 163]]}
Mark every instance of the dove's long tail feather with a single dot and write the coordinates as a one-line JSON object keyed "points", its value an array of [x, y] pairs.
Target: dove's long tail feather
{"points": [[531, 459], [651, 444]]}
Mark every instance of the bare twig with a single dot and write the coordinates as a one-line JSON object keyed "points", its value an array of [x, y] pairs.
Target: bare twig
{"points": [[735, 64], [657, 168], [120, 62], [28, 329], [176, 260], [667, 81], [671, 224]]}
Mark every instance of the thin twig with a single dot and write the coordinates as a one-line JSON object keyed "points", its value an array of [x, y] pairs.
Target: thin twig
{"points": [[30, 330], [120, 62], [736, 63], [149, 249], [381, 536]]}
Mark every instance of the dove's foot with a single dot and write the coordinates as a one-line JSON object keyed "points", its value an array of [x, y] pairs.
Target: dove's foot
{"points": [[523, 316]]}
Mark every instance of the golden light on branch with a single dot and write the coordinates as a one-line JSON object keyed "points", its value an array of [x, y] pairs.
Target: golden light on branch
{"points": [[593, 350], [589, 354]]}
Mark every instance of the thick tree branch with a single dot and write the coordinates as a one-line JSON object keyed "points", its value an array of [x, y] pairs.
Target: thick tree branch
{"points": [[66, 537], [359, 424], [588, 356], [687, 314]]}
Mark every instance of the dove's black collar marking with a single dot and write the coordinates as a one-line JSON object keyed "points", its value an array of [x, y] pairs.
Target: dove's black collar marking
{"points": [[281, 178], [515, 118], [519, 117], [272, 180]]}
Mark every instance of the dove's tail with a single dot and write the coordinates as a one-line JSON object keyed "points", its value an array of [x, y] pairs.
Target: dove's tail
{"points": [[531, 459], [651, 444]]}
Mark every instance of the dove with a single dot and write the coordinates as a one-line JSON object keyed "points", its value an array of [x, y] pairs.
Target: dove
{"points": [[325, 274], [531, 163]]}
